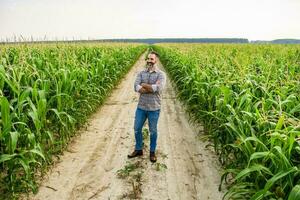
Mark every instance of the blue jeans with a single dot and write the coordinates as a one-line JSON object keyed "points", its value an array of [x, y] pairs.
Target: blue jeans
{"points": [[140, 118]]}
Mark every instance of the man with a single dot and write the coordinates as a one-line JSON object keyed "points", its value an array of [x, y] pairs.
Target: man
{"points": [[149, 83]]}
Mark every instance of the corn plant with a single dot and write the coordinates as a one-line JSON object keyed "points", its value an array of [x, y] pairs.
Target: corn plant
{"points": [[47, 91], [247, 97]]}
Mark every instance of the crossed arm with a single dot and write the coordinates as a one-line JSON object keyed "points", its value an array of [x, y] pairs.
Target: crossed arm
{"points": [[145, 88], [148, 88]]}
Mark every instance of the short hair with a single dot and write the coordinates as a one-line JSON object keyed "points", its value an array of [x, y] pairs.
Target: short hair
{"points": [[155, 53]]}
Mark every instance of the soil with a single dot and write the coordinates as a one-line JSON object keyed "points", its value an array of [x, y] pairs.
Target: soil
{"points": [[95, 166]]}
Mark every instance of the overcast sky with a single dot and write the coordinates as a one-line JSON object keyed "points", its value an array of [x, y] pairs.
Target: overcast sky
{"points": [[98, 19]]}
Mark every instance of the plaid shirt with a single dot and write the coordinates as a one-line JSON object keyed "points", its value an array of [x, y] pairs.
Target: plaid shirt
{"points": [[150, 101]]}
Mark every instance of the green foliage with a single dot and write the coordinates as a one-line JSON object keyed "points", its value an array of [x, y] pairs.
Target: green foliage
{"points": [[295, 193], [146, 134], [247, 96], [128, 168], [160, 166], [47, 91]]}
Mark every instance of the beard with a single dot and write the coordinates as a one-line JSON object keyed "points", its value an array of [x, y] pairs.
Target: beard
{"points": [[150, 64]]}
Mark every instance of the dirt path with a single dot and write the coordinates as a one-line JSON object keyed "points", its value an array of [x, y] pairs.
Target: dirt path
{"points": [[185, 169]]}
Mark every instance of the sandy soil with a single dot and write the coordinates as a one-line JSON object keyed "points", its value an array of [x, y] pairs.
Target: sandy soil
{"points": [[89, 169]]}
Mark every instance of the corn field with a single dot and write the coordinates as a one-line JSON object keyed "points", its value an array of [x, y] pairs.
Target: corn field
{"points": [[46, 94], [247, 97]]}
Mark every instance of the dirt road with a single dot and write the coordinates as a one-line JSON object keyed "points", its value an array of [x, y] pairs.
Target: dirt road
{"points": [[96, 165]]}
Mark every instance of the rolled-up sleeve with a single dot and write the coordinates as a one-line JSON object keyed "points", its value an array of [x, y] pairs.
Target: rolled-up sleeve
{"points": [[161, 83], [137, 82]]}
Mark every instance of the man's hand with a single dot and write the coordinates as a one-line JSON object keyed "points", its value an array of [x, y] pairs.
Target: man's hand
{"points": [[143, 91], [147, 87]]}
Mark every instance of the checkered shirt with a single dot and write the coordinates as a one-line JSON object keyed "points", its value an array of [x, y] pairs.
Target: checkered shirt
{"points": [[150, 101]]}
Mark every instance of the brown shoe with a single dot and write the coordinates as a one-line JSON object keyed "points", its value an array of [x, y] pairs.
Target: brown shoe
{"points": [[152, 157], [135, 153]]}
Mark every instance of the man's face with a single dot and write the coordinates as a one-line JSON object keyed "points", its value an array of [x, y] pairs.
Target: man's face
{"points": [[151, 60]]}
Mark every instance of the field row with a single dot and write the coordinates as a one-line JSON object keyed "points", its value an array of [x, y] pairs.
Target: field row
{"points": [[46, 93], [247, 97]]}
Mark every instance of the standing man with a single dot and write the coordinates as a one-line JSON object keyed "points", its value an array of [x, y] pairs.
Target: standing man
{"points": [[149, 83]]}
